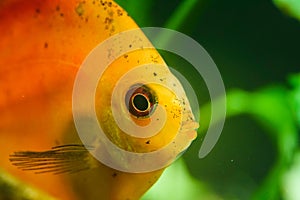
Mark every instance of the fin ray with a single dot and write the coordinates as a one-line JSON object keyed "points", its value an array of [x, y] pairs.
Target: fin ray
{"points": [[70, 158]]}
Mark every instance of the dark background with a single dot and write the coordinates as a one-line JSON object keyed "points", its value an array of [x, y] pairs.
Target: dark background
{"points": [[256, 47]]}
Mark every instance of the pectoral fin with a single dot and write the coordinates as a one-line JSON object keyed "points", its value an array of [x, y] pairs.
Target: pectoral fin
{"points": [[69, 158]]}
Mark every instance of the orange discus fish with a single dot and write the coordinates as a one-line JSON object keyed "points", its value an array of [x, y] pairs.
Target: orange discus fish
{"points": [[43, 45]]}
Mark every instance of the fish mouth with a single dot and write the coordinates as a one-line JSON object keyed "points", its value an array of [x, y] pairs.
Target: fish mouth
{"points": [[189, 125], [190, 129]]}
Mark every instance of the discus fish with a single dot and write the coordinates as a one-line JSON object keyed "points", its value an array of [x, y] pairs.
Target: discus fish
{"points": [[43, 45]]}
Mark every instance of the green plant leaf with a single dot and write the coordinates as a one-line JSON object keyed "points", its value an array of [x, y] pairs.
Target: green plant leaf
{"points": [[289, 7], [295, 94], [176, 183]]}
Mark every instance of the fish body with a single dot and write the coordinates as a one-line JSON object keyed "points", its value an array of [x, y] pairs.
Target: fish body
{"points": [[43, 44]]}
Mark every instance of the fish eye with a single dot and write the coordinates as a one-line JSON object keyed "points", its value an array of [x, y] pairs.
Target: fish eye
{"points": [[140, 101]]}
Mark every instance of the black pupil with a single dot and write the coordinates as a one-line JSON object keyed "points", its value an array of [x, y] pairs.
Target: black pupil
{"points": [[140, 102]]}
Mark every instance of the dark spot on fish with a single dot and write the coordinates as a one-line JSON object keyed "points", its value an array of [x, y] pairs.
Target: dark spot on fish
{"points": [[175, 116], [112, 29], [46, 45], [174, 84], [119, 12], [125, 56], [79, 9], [38, 11], [57, 142], [57, 8], [109, 4], [154, 74], [108, 20], [62, 14], [98, 16], [110, 13], [114, 175], [130, 46], [148, 142]]}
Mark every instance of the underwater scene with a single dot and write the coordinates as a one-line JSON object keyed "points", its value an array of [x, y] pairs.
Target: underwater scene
{"points": [[149, 100]]}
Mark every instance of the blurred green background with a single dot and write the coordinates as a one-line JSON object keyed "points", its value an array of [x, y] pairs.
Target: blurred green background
{"points": [[256, 46]]}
